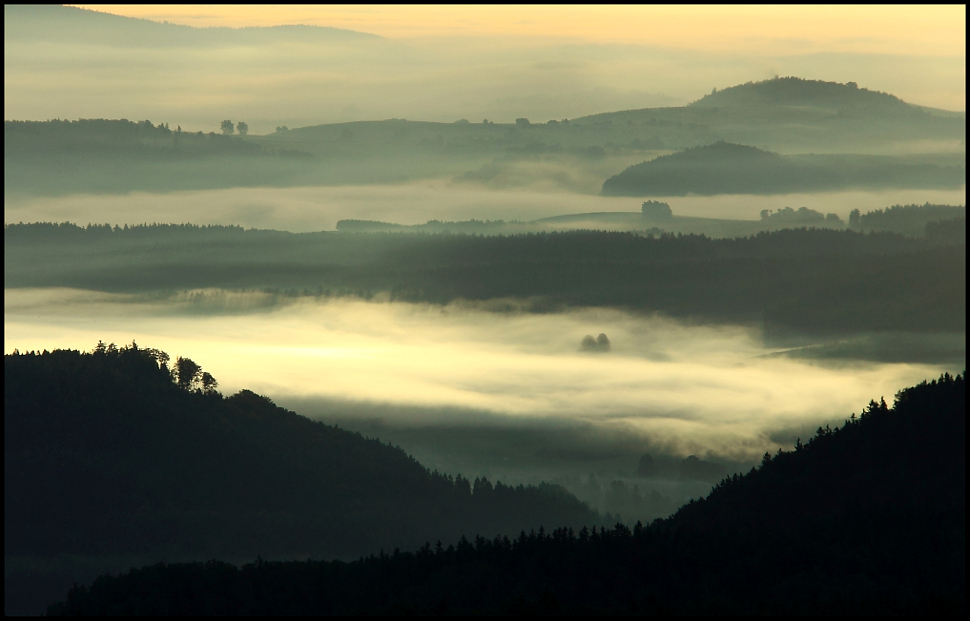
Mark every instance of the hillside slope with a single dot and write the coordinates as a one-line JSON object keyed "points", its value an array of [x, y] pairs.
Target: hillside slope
{"points": [[795, 115], [106, 456], [865, 519]]}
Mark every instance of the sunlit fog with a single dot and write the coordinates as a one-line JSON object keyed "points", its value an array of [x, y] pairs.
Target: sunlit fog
{"points": [[685, 388]]}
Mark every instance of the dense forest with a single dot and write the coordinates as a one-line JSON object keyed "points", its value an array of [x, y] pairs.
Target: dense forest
{"points": [[726, 168], [809, 280], [940, 222], [867, 518], [122, 452]]}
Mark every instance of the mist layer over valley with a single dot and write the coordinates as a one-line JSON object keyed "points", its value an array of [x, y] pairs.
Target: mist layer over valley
{"points": [[665, 387], [310, 209], [329, 282]]}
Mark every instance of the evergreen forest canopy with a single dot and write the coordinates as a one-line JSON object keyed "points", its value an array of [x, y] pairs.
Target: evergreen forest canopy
{"points": [[117, 454], [812, 281], [867, 518]]}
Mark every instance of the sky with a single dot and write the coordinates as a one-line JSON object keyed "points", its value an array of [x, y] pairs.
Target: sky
{"points": [[909, 30], [445, 63]]}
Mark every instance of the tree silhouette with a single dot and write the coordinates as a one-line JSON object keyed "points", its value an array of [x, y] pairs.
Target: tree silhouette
{"points": [[187, 372], [602, 342], [227, 127], [242, 128], [208, 382]]}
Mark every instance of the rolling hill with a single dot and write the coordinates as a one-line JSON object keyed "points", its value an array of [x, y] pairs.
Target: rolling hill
{"points": [[726, 168]]}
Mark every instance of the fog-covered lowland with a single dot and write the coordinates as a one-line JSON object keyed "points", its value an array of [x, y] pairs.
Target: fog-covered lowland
{"points": [[511, 278]]}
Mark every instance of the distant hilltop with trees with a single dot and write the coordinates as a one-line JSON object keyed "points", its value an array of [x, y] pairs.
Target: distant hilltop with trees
{"points": [[792, 91]]}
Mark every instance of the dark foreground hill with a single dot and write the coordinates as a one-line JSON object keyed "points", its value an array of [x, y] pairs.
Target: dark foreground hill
{"points": [[726, 168], [106, 456], [868, 518]]}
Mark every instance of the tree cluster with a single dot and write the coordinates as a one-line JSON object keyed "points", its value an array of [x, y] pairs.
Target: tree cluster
{"points": [[911, 220]]}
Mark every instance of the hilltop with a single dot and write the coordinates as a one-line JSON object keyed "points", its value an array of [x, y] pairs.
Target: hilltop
{"points": [[795, 115], [792, 92]]}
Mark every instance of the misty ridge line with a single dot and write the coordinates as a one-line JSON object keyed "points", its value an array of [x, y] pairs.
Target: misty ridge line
{"points": [[60, 23], [852, 120]]}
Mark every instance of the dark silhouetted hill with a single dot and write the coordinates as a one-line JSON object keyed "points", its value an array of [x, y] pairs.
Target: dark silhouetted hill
{"points": [[726, 168], [868, 518], [107, 456]]}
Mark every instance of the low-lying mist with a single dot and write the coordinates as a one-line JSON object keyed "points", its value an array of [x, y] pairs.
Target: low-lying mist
{"points": [[306, 209], [681, 389]]}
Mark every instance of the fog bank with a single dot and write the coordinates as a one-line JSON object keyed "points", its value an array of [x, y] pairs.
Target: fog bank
{"points": [[688, 389]]}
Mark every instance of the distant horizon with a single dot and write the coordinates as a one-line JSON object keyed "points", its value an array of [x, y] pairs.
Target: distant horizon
{"points": [[441, 64], [421, 120]]}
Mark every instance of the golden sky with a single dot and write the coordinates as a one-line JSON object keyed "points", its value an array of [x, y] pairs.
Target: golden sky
{"points": [[903, 30]]}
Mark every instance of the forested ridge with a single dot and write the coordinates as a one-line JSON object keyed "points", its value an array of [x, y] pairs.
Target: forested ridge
{"points": [[867, 518], [814, 280], [111, 453]]}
